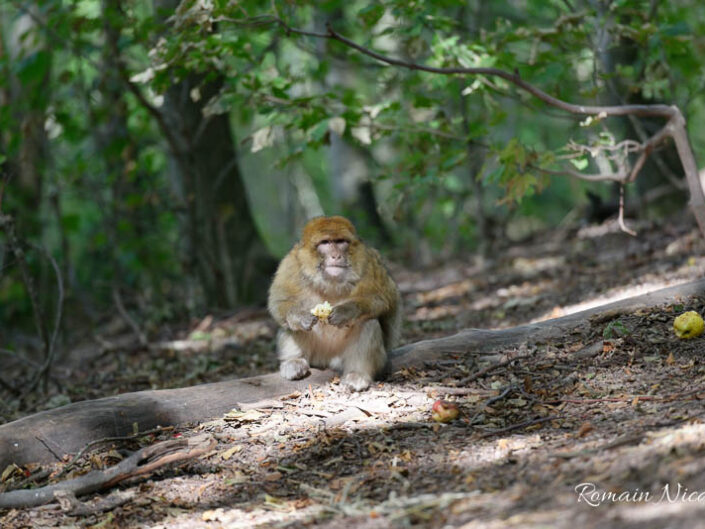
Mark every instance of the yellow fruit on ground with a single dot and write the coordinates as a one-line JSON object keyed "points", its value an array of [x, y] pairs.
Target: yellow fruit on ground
{"points": [[688, 325]]}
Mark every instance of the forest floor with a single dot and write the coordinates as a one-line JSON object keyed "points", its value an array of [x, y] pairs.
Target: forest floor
{"points": [[601, 429]]}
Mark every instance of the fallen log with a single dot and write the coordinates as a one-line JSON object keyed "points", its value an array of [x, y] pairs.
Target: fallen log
{"points": [[47, 436]]}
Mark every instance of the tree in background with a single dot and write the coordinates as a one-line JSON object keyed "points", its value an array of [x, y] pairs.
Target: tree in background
{"points": [[182, 136], [433, 139]]}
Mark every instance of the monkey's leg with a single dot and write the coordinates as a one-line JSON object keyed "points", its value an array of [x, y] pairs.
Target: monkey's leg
{"points": [[365, 357], [294, 364]]}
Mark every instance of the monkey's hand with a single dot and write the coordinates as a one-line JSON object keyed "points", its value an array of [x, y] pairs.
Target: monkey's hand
{"points": [[301, 321], [344, 313]]}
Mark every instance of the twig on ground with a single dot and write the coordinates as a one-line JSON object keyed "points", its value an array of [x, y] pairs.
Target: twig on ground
{"points": [[140, 463], [622, 441], [36, 476], [519, 426], [492, 400], [90, 445], [449, 390], [493, 367], [632, 398], [73, 506]]}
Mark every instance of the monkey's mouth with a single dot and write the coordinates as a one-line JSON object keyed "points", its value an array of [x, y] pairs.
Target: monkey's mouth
{"points": [[335, 271]]}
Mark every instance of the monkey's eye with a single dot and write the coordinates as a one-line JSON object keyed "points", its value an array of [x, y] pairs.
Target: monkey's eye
{"points": [[324, 241], [340, 241]]}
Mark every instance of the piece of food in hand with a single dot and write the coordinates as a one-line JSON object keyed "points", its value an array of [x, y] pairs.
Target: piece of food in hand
{"points": [[444, 411], [688, 325], [322, 310]]}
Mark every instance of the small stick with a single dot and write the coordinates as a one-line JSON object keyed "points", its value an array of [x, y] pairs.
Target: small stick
{"points": [[82, 451], [491, 368], [519, 426], [140, 463]]}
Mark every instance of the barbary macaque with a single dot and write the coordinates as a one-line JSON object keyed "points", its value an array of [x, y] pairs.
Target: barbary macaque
{"points": [[331, 264]]}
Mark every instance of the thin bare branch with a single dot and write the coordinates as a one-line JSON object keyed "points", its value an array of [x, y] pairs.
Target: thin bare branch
{"points": [[514, 78], [596, 177], [19, 358], [625, 146], [60, 299], [91, 444], [7, 224], [117, 298], [142, 462], [623, 226]]}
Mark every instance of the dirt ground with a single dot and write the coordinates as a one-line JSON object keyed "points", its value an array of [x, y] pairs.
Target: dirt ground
{"points": [[602, 429]]}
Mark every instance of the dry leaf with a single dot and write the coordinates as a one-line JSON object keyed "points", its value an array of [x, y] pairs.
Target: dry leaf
{"points": [[584, 429], [229, 453], [337, 125], [362, 134], [243, 416], [9, 472], [214, 515], [262, 138], [237, 478]]}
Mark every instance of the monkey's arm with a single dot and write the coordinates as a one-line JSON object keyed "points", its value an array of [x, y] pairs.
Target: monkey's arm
{"points": [[285, 301], [374, 296]]}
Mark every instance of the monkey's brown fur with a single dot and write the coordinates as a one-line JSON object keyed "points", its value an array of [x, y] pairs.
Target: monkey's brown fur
{"points": [[331, 263]]}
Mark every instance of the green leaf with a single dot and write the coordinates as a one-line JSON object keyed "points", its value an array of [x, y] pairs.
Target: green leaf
{"points": [[371, 14], [580, 163], [615, 329], [319, 132], [34, 68], [677, 29], [71, 222]]}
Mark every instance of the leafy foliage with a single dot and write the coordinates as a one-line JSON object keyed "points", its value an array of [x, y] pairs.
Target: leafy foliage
{"points": [[435, 146]]}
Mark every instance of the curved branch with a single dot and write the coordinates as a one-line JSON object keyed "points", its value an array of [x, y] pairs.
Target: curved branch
{"points": [[675, 126], [597, 177], [514, 78]]}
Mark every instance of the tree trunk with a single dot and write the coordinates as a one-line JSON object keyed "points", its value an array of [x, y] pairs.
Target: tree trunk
{"points": [[29, 100], [223, 247], [226, 251]]}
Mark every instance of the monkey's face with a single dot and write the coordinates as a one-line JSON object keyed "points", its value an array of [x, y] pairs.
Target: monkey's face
{"points": [[334, 258], [329, 253]]}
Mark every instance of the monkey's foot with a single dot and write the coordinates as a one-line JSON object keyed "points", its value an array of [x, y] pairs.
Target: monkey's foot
{"points": [[294, 369], [356, 381]]}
